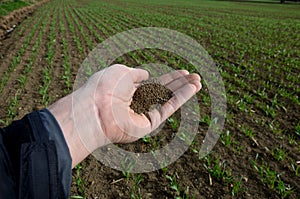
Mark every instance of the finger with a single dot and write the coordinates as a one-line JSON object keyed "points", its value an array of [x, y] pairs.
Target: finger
{"points": [[139, 75], [167, 78], [197, 84], [179, 82], [166, 110]]}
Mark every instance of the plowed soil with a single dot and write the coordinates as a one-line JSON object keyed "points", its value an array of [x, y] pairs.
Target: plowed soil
{"points": [[194, 176]]}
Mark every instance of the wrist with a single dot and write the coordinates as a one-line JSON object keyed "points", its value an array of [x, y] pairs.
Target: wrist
{"points": [[77, 115], [62, 111]]}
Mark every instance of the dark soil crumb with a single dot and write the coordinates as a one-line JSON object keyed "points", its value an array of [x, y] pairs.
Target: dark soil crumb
{"points": [[149, 95]]}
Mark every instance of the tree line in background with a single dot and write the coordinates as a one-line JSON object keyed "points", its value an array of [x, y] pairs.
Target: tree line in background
{"points": [[283, 1]]}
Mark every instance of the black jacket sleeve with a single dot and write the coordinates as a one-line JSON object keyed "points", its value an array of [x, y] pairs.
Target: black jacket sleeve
{"points": [[35, 161]]}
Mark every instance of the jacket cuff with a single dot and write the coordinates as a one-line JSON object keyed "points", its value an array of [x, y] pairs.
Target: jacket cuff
{"points": [[64, 159]]}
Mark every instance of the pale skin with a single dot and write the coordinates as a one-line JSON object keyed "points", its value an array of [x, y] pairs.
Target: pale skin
{"points": [[100, 111]]}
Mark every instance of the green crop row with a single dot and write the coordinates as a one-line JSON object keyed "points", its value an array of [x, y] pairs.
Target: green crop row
{"points": [[13, 102], [256, 54], [16, 60], [44, 87]]}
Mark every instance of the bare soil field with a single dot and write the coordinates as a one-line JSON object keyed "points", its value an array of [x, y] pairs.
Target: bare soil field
{"points": [[256, 49]]}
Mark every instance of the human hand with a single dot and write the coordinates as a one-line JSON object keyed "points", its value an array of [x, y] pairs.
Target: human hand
{"points": [[100, 113], [119, 122]]}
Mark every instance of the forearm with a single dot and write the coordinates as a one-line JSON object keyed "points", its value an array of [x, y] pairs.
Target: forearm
{"points": [[62, 111]]}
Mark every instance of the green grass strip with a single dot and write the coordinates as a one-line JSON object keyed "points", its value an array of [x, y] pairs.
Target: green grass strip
{"points": [[7, 7]]}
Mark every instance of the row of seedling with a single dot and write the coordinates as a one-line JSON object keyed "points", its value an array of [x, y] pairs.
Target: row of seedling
{"points": [[44, 87], [88, 25], [13, 104], [76, 39], [67, 70], [16, 60], [81, 30], [272, 179]]}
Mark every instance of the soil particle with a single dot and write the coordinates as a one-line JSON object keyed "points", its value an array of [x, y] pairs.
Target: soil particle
{"points": [[149, 95]]}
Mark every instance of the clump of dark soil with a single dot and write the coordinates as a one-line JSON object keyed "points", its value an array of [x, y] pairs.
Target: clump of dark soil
{"points": [[149, 95]]}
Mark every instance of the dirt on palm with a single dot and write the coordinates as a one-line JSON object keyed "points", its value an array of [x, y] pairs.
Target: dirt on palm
{"points": [[149, 95]]}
